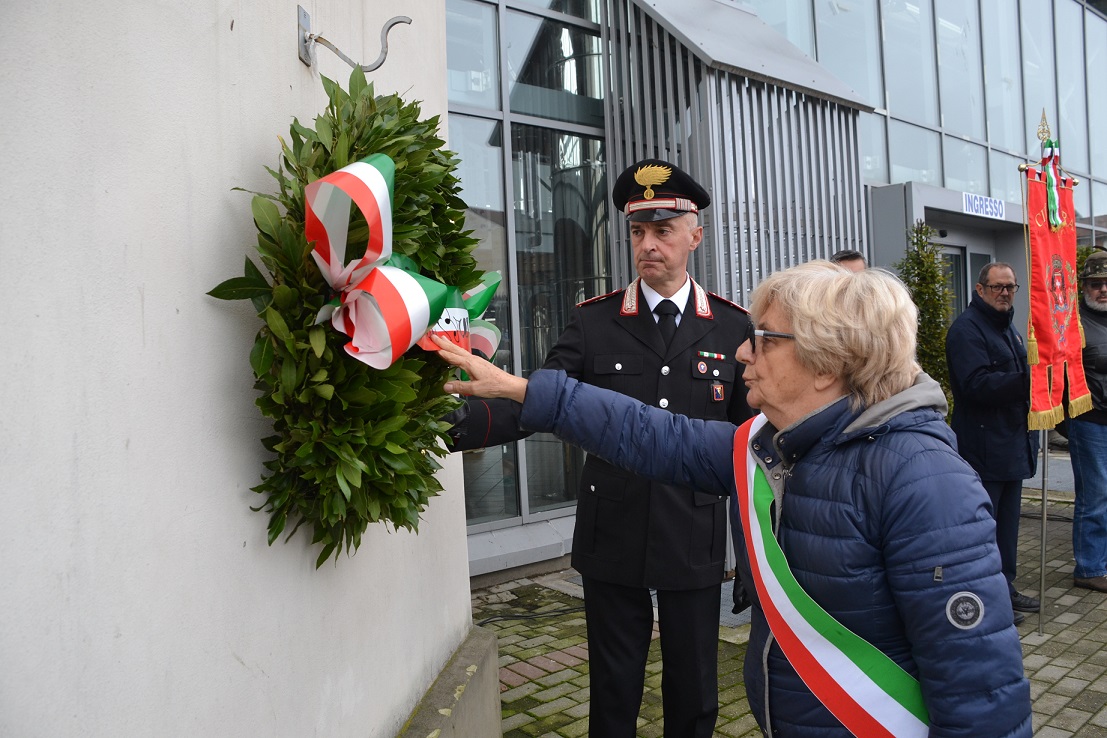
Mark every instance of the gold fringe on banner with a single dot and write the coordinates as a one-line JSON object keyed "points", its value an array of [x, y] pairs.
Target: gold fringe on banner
{"points": [[1045, 419], [1080, 405]]}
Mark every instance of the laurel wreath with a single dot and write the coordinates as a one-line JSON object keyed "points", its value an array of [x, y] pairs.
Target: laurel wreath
{"points": [[352, 445]]}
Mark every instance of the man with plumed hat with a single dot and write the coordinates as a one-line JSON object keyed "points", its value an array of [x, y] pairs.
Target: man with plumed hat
{"points": [[667, 342]]}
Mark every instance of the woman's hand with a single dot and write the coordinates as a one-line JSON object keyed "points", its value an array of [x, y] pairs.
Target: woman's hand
{"points": [[486, 379]]}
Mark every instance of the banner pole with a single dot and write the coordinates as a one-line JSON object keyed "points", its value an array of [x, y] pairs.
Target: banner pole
{"points": [[1045, 487]]}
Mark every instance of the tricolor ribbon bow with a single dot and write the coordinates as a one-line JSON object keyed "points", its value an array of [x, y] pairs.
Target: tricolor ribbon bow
{"points": [[382, 302], [1051, 157], [384, 310]]}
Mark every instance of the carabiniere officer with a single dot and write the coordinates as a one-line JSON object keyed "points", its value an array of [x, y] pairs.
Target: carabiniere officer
{"points": [[668, 342]]}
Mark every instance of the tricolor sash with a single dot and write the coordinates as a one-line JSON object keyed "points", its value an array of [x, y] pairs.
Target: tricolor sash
{"points": [[869, 693]]}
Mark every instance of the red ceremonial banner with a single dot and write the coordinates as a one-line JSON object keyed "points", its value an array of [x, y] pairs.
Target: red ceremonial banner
{"points": [[1055, 337]]}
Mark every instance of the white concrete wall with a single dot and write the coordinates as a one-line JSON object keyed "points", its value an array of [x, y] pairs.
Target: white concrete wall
{"points": [[138, 596]]}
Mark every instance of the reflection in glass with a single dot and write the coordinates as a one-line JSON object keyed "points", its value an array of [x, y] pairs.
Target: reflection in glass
{"points": [[909, 56], [477, 143], [791, 20], [977, 262], [586, 9], [1082, 203], [1097, 93], [874, 161], [953, 269], [1037, 70], [472, 60], [555, 70], [849, 45], [913, 153], [966, 166], [1006, 179], [960, 73], [491, 487], [1099, 204], [1084, 238], [560, 245], [1072, 128], [1003, 88]]}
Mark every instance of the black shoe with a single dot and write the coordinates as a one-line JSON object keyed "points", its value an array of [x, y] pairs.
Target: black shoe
{"points": [[1098, 584], [1023, 603], [1019, 617]]}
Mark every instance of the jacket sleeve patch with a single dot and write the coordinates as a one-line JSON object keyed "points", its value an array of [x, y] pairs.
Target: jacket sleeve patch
{"points": [[964, 610]]}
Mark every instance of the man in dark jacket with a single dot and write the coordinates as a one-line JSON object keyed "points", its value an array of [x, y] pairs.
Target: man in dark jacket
{"points": [[1088, 435], [990, 380], [667, 342]]}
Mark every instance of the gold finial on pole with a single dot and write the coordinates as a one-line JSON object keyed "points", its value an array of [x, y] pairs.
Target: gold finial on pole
{"points": [[1043, 128]]}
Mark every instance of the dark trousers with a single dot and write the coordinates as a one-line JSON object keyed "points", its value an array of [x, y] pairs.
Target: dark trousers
{"points": [[620, 628], [1006, 509]]}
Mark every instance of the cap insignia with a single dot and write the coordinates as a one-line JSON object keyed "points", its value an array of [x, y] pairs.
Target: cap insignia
{"points": [[650, 175]]}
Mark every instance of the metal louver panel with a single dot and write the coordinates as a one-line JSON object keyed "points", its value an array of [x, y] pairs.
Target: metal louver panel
{"points": [[782, 166]]}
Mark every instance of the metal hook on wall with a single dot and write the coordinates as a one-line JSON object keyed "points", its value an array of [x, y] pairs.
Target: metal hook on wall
{"points": [[307, 38]]}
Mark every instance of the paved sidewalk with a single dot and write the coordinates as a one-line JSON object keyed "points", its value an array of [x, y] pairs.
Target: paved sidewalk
{"points": [[544, 655]]}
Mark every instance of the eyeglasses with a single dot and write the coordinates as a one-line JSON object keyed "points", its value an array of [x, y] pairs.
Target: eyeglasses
{"points": [[998, 288], [753, 333], [1095, 284]]}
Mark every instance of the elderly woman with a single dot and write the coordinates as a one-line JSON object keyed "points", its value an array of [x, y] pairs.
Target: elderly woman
{"points": [[866, 542]]}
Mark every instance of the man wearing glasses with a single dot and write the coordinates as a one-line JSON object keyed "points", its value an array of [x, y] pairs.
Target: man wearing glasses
{"points": [[990, 380], [1088, 435]]}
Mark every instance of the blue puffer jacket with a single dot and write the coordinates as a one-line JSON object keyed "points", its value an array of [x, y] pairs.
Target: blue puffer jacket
{"points": [[883, 524]]}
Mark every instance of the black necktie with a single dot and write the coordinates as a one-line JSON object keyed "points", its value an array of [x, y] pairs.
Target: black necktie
{"points": [[667, 312]]}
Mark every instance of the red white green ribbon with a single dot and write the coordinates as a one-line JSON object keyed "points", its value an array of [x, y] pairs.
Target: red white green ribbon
{"points": [[384, 310], [1051, 156], [484, 337], [869, 693], [460, 320]]}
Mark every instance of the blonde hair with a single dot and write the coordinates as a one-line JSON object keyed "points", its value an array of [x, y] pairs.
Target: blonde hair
{"points": [[858, 326]]}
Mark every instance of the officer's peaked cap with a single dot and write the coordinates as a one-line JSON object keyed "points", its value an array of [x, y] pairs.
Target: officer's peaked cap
{"points": [[654, 189]]}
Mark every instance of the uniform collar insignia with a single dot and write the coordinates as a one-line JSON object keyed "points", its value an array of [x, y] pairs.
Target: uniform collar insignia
{"points": [[699, 295]]}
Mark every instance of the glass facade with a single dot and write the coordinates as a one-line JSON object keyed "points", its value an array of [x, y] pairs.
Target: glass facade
{"points": [[1002, 80], [1095, 37], [910, 78], [960, 67], [534, 180], [959, 88], [848, 33]]}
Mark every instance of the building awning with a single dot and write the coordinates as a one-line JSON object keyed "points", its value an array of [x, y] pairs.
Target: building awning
{"points": [[735, 40]]}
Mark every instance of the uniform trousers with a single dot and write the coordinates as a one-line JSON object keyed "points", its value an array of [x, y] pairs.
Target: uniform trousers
{"points": [[1007, 509], [620, 628], [1088, 452]]}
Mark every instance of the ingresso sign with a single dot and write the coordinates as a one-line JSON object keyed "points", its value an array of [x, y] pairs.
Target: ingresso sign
{"points": [[988, 207]]}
